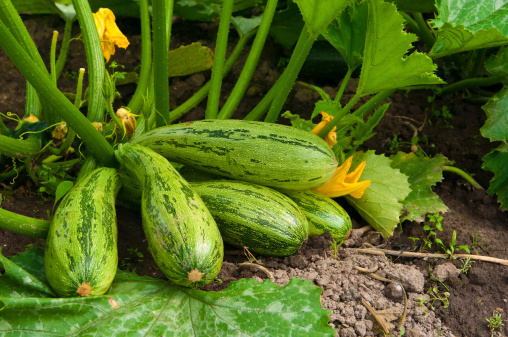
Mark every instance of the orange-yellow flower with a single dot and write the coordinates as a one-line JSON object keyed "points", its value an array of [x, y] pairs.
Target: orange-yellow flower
{"points": [[331, 137], [343, 183], [128, 120], [109, 33]]}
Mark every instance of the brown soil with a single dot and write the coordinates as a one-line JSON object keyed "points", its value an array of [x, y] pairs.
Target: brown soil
{"points": [[472, 213]]}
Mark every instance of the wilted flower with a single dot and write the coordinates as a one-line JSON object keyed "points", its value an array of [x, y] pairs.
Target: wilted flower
{"points": [[109, 33], [98, 126], [331, 137], [343, 183], [31, 119], [128, 120], [59, 131]]}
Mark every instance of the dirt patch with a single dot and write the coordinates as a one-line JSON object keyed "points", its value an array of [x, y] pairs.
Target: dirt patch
{"points": [[472, 213]]}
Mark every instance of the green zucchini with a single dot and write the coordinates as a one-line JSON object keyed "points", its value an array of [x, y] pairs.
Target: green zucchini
{"points": [[253, 216], [263, 153], [81, 254], [182, 235], [323, 214]]}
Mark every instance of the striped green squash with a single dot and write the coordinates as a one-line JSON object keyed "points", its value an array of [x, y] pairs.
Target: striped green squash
{"points": [[324, 214], [263, 153], [253, 216], [182, 235], [81, 255]]}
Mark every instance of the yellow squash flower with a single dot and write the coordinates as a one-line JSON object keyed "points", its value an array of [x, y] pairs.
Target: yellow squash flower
{"points": [[331, 137], [343, 183], [128, 120], [109, 33]]}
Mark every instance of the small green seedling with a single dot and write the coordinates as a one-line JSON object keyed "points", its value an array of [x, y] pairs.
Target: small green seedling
{"points": [[452, 246], [495, 321], [435, 296], [335, 244], [467, 264]]}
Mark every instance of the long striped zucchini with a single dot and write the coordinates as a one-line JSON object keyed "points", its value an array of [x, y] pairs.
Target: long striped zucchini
{"points": [[263, 153], [253, 216], [81, 255], [182, 235], [324, 214]]}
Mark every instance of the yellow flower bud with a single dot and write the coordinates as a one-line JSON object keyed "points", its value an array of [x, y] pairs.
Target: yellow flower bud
{"points": [[331, 137]]}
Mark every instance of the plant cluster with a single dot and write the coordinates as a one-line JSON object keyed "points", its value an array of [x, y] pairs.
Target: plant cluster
{"points": [[57, 134]]}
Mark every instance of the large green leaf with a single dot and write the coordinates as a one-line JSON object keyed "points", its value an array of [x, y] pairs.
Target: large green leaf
{"points": [[318, 14], [496, 126], [144, 306], [385, 64], [423, 173], [498, 63], [347, 33], [497, 162], [469, 24], [381, 204]]}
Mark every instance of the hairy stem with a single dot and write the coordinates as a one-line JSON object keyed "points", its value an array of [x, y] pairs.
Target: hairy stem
{"points": [[212, 107]]}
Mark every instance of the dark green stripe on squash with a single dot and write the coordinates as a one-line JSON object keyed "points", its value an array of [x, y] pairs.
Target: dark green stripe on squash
{"points": [[263, 153], [183, 237], [81, 255], [324, 214], [253, 216]]}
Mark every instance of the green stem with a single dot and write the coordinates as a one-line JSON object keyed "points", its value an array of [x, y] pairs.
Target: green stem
{"points": [[52, 57], [302, 49], [201, 94], [56, 100], [21, 224], [411, 23], [464, 175], [160, 9], [425, 34], [64, 48], [362, 111], [88, 166], [94, 60], [262, 107], [79, 89], [19, 148], [10, 17], [212, 107], [146, 59], [471, 83], [478, 62], [343, 85], [250, 64], [14, 172]]}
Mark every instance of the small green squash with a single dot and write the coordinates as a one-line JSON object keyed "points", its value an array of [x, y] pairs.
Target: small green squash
{"points": [[81, 255], [182, 235]]}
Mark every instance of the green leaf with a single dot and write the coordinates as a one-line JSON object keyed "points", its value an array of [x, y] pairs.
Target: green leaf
{"points": [[189, 59], [498, 63], [144, 306], [496, 126], [470, 24], [318, 14], [423, 173], [18, 282], [62, 189], [246, 25], [385, 65], [286, 26], [497, 162], [298, 122], [381, 204], [347, 33], [363, 131]]}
